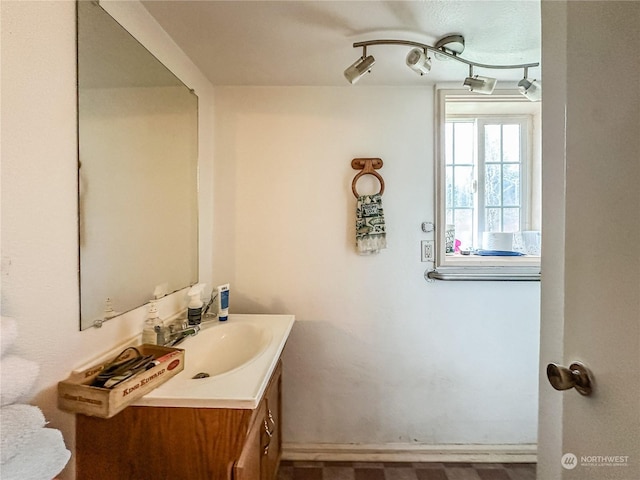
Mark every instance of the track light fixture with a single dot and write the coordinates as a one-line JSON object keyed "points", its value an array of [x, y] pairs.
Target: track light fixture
{"points": [[530, 88], [360, 67], [449, 47]]}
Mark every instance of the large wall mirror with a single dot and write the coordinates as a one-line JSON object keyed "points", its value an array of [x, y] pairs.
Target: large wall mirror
{"points": [[138, 159]]}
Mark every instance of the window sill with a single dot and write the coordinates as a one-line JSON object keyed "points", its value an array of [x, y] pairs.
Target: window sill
{"points": [[493, 268], [479, 275]]}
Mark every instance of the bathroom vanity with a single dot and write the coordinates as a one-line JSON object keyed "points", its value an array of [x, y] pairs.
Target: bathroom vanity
{"points": [[183, 443], [224, 427]]}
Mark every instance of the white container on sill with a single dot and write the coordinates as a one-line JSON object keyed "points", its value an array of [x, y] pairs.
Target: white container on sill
{"points": [[497, 241]]}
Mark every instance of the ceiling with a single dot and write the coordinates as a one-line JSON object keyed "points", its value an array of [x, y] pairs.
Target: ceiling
{"points": [[310, 42]]}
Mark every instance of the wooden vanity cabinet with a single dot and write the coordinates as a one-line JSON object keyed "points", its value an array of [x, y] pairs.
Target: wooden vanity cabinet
{"points": [[181, 442]]}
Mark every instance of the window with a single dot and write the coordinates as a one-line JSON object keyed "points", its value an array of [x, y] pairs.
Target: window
{"points": [[488, 191], [485, 176]]}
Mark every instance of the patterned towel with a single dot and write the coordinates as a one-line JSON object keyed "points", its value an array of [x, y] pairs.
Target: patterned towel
{"points": [[370, 229]]}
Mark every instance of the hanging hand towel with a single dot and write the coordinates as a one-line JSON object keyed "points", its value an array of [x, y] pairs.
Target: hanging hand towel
{"points": [[370, 228]]}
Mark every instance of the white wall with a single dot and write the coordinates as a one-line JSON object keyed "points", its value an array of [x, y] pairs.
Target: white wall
{"points": [[39, 188], [378, 356]]}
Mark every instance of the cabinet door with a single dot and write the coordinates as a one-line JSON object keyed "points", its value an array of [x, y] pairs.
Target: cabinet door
{"points": [[261, 452], [248, 466], [271, 437]]}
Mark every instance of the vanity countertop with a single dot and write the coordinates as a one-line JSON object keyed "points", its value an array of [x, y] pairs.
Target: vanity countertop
{"points": [[239, 387]]}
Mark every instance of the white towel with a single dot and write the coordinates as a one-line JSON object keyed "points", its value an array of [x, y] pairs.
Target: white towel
{"points": [[17, 377], [18, 425], [42, 459], [8, 333]]}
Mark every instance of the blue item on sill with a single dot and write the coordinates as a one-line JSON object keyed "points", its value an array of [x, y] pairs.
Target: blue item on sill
{"points": [[498, 253]]}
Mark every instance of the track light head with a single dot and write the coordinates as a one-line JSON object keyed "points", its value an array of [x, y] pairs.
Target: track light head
{"points": [[530, 89], [359, 68], [418, 61], [479, 84]]}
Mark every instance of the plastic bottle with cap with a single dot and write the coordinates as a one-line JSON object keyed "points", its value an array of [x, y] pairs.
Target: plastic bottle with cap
{"points": [[149, 334]]}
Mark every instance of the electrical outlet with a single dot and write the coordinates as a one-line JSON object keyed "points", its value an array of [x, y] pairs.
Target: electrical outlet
{"points": [[426, 247]]}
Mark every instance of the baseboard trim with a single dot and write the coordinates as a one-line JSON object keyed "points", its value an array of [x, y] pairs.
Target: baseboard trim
{"points": [[347, 452]]}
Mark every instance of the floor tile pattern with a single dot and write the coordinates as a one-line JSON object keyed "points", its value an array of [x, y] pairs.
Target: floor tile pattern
{"points": [[405, 471]]}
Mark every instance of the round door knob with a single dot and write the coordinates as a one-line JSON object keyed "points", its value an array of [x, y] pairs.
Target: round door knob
{"points": [[576, 376]]}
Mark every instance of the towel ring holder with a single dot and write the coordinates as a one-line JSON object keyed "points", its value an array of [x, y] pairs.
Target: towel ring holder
{"points": [[368, 166]]}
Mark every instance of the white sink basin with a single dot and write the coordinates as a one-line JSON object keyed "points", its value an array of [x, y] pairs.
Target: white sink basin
{"points": [[223, 348], [239, 356]]}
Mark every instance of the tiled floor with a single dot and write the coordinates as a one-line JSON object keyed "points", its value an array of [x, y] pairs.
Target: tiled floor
{"points": [[405, 471]]}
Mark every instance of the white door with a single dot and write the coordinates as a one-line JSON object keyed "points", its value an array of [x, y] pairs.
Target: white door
{"points": [[591, 238]]}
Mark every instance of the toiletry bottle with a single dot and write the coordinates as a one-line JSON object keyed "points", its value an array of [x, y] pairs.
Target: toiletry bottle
{"points": [[149, 334], [194, 309], [223, 302]]}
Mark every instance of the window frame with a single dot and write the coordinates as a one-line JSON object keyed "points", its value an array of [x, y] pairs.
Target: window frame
{"points": [[475, 267]]}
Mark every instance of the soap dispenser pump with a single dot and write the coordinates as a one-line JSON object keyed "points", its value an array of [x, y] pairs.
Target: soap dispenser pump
{"points": [[194, 309], [149, 334]]}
